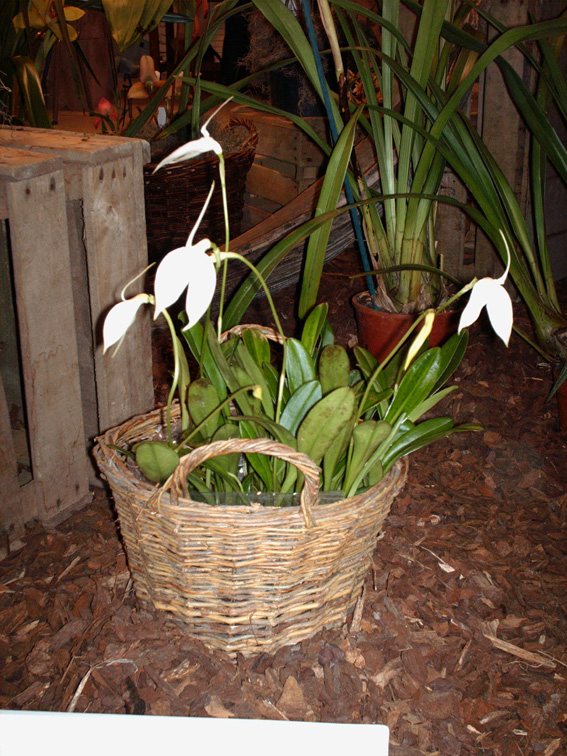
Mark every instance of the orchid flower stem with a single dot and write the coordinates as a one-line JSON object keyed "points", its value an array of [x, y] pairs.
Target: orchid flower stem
{"points": [[236, 256], [226, 241], [175, 379]]}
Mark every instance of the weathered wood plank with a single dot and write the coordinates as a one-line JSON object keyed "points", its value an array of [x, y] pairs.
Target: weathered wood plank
{"points": [[42, 280], [269, 183], [116, 250], [76, 150], [108, 248]]}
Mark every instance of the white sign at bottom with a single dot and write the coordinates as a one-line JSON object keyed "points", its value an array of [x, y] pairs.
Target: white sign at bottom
{"points": [[23, 733]]}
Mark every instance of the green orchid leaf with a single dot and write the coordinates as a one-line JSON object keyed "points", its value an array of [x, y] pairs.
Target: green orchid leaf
{"points": [[203, 400], [374, 401], [334, 368], [156, 459], [422, 435], [197, 339], [195, 483], [299, 403], [284, 436], [366, 438], [299, 366], [324, 421], [327, 335], [429, 403], [257, 345], [313, 328], [274, 430], [259, 462], [416, 385], [335, 457], [374, 474], [184, 381], [228, 462], [248, 404], [452, 353], [328, 200], [256, 376], [271, 379], [225, 479]]}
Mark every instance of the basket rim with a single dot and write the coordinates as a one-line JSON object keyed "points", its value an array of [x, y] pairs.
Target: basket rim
{"points": [[211, 157], [105, 456]]}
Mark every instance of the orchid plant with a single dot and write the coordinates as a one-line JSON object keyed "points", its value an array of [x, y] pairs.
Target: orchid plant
{"points": [[355, 423]]}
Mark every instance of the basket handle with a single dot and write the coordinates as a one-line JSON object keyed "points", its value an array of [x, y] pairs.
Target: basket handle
{"points": [[177, 483]]}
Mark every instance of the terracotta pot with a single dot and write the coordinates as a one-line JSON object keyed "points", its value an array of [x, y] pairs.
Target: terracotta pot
{"points": [[379, 331]]}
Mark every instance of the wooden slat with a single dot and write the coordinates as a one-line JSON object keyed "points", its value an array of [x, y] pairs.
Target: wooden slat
{"points": [[42, 280], [116, 250], [108, 248], [10, 510], [267, 182], [77, 150]]}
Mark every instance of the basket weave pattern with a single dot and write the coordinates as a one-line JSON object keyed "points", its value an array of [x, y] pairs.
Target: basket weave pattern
{"points": [[243, 578], [175, 195]]}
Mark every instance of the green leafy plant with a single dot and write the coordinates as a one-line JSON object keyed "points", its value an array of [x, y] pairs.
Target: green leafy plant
{"points": [[28, 33], [354, 421]]}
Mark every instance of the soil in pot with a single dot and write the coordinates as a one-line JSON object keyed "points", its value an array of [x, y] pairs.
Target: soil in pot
{"points": [[379, 331]]}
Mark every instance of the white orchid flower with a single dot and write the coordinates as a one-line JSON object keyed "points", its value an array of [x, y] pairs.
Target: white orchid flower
{"points": [[490, 293], [121, 317], [196, 147], [191, 268], [187, 268]]}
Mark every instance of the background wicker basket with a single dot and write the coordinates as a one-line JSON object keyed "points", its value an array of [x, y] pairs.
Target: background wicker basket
{"points": [[243, 578], [175, 195]]}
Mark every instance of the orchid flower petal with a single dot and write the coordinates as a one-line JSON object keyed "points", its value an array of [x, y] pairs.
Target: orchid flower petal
{"points": [[120, 318], [491, 294], [172, 277], [201, 288], [477, 300], [500, 312], [191, 150]]}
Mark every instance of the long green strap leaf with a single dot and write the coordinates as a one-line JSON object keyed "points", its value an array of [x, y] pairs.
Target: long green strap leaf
{"points": [[328, 199]]}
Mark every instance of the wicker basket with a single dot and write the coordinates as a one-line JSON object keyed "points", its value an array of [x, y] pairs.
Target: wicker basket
{"points": [[175, 195], [243, 578]]}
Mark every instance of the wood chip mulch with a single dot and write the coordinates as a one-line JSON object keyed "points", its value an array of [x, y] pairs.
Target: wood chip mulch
{"points": [[461, 647]]}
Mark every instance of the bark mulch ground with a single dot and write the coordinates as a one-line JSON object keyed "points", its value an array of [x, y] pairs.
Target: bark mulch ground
{"points": [[461, 646]]}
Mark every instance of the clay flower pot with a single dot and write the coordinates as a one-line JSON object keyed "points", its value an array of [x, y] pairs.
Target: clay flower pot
{"points": [[379, 331]]}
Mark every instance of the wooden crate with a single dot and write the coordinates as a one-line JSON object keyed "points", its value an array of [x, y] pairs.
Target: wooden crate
{"points": [[106, 229], [35, 264], [287, 162]]}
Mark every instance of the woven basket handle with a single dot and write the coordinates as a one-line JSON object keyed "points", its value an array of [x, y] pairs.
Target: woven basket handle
{"points": [[178, 481]]}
